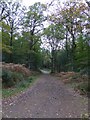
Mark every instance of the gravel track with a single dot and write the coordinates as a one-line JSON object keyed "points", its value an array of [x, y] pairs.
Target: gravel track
{"points": [[47, 98]]}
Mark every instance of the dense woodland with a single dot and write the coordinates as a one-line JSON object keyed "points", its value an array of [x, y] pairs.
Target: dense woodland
{"points": [[49, 43], [53, 36]]}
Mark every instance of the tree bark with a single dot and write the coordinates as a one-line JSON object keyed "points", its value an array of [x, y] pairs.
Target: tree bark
{"points": [[53, 62], [73, 52], [11, 41]]}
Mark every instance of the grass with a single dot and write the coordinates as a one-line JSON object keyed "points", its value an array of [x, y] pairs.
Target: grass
{"points": [[18, 88]]}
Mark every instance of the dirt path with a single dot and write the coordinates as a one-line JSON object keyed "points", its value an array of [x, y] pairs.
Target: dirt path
{"points": [[47, 98]]}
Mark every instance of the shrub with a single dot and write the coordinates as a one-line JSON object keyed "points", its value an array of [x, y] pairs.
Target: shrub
{"points": [[7, 80], [17, 68], [17, 77], [23, 84], [84, 87], [10, 78], [30, 79]]}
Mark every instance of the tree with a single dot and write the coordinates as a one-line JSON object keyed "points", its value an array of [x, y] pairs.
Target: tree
{"points": [[4, 12], [33, 25], [6, 49], [45, 59], [70, 15], [12, 18], [54, 34]]}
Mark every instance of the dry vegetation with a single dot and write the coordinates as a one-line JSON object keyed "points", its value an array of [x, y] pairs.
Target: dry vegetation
{"points": [[16, 68], [78, 81], [69, 76], [12, 74], [16, 78]]}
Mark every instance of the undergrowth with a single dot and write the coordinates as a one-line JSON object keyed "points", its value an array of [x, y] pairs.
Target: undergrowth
{"points": [[13, 82]]}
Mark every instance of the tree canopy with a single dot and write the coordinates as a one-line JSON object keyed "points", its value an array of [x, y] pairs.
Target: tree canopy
{"points": [[57, 39]]}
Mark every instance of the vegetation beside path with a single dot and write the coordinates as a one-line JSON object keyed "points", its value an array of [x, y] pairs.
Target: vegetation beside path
{"points": [[75, 80], [18, 88], [16, 78]]}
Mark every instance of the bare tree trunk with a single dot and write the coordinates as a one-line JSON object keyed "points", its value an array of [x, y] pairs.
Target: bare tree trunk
{"points": [[11, 42], [53, 62], [73, 52]]}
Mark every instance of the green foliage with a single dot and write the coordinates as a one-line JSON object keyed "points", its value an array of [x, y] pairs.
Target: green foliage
{"points": [[84, 87], [30, 79], [45, 59], [81, 54], [23, 84], [9, 78], [34, 59], [54, 33], [35, 13], [60, 37], [19, 87], [61, 61]]}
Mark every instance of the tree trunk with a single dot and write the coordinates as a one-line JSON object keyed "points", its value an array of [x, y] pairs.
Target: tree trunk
{"points": [[73, 52], [53, 62], [11, 42]]}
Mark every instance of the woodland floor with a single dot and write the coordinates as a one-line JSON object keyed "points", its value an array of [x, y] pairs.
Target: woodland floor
{"points": [[47, 98]]}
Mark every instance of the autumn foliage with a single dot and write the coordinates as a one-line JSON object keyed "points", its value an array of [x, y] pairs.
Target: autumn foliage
{"points": [[16, 68]]}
